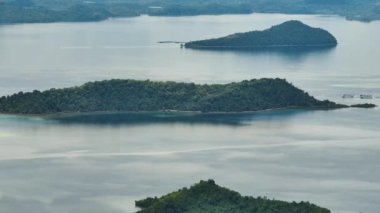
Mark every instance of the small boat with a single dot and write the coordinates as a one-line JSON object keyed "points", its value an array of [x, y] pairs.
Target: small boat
{"points": [[171, 42], [348, 96], [366, 97]]}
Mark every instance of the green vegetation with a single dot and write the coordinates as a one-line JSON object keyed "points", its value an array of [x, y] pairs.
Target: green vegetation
{"points": [[290, 33], [133, 95], [33, 11], [19, 13], [366, 105], [206, 196]]}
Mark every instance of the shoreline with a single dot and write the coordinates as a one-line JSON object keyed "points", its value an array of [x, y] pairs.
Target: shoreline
{"points": [[258, 46], [182, 112], [172, 112], [346, 17]]}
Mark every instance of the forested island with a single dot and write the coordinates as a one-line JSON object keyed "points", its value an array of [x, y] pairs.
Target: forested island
{"points": [[366, 105], [206, 196], [287, 34], [147, 96], [42, 11]]}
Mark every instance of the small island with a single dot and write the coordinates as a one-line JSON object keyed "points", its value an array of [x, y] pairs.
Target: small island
{"points": [[289, 34], [366, 105], [152, 96], [206, 196]]}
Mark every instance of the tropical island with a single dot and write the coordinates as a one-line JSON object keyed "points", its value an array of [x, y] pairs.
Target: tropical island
{"points": [[43, 11], [206, 196], [288, 34], [152, 96]]}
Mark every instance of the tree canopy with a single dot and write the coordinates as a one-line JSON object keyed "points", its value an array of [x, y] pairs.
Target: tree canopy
{"points": [[133, 95], [290, 33], [33, 11], [206, 196]]}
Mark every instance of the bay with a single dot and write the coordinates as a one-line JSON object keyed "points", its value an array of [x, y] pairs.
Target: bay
{"points": [[44, 56], [103, 163]]}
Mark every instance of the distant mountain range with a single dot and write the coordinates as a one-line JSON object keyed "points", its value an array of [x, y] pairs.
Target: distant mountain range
{"points": [[287, 34], [41, 11]]}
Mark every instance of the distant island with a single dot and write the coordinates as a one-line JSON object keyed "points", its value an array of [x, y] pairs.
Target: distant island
{"points": [[287, 34], [149, 96], [207, 197], [366, 105]]}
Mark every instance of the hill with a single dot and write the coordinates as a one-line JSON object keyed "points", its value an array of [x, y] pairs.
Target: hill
{"points": [[287, 34], [37, 11], [206, 196], [133, 95]]}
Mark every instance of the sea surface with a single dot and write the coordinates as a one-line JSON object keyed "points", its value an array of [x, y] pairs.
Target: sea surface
{"points": [[103, 163]]}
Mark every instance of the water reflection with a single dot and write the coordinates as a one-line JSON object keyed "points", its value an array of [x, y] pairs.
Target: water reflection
{"points": [[296, 54], [322, 156], [104, 163], [232, 119]]}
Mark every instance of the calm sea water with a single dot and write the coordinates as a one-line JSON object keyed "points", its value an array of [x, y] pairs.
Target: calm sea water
{"points": [[104, 163], [42, 56]]}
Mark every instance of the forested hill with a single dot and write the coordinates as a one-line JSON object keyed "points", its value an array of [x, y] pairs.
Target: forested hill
{"points": [[206, 197], [290, 33], [133, 95], [32, 11]]}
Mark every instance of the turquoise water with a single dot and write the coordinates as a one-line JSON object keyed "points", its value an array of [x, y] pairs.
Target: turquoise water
{"points": [[102, 163]]}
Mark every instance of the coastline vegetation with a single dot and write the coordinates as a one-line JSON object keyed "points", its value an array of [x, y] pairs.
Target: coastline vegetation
{"points": [[148, 96], [366, 105], [289, 34], [207, 196], [44, 11]]}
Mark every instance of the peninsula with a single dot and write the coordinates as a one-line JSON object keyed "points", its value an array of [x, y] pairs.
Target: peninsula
{"points": [[287, 34], [206, 196], [150, 96]]}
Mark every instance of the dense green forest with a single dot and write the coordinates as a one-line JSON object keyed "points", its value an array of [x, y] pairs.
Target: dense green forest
{"points": [[133, 95], [32, 11], [206, 197], [290, 33]]}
